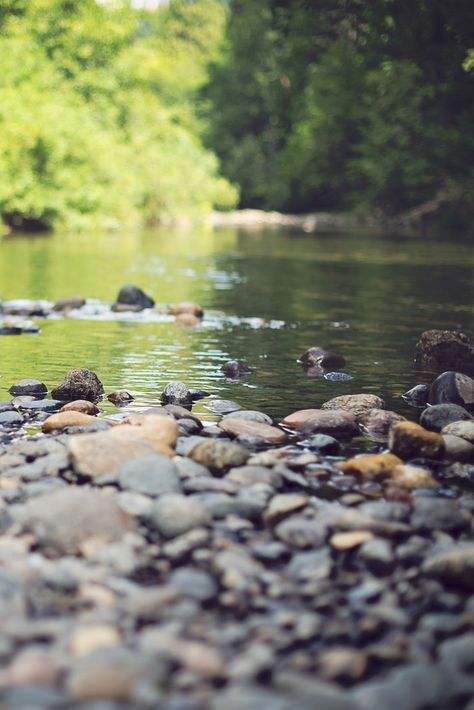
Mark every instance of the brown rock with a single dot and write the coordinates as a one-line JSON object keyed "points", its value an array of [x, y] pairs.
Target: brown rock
{"points": [[61, 420], [371, 465], [198, 657], [81, 405], [120, 397], [441, 350], [69, 303], [312, 421], [187, 320], [357, 404], [268, 434], [155, 428], [412, 477], [33, 666], [187, 308], [102, 453], [348, 540], [375, 423], [320, 358], [90, 637], [102, 678], [342, 664], [281, 506], [409, 440]]}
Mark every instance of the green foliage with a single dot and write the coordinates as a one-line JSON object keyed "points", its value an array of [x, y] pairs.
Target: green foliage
{"points": [[345, 104], [89, 131]]}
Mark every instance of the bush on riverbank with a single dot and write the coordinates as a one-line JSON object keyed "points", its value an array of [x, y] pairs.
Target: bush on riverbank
{"points": [[96, 114]]}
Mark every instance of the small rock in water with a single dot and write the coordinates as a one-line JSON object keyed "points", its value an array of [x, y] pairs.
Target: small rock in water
{"points": [[69, 304], [338, 376], [198, 394], [177, 392], [120, 397], [357, 404], [438, 416], [319, 358], [132, 298], [417, 396], [452, 388], [236, 368], [80, 383], [187, 308], [441, 350], [222, 406], [28, 386]]}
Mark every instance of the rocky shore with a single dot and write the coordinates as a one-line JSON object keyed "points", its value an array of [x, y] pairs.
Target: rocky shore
{"points": [[153, 560]]}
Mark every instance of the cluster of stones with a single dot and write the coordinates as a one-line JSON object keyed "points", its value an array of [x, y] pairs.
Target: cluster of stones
{"points": [[160, 562], [130, 299]]}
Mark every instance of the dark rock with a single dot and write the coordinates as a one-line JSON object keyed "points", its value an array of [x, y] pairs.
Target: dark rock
{"points": [[151, 475], [236, 368], [325, 445], [417, 396], [441, 350], [452, 388], [69, 304], [80, 383], [120, 398], [39, 405], [318, 358], [458, 449], [198, 394], [28, 386], [440, 415], [134, 297], [177, 392], [377, 555], [186, 308]]}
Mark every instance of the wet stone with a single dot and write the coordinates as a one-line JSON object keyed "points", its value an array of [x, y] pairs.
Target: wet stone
{"points": [[357, 404], [10, 419], [222, 406], [264, 433], [28, 386], [325, 445], [452, 387], [133, 296], [69, 303], [79, 384], [438, 416], [39, 405], [236, 368], [409, 440], [377, 556], [177, 393], [249, 415], [120, 398], [150, 475], [80, 405]]}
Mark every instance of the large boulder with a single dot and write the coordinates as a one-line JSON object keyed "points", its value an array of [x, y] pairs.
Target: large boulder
{"points": [[132, 298], [441, 350], [80, 383], [452, 388]]}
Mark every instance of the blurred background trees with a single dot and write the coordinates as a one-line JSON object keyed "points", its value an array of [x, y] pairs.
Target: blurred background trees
{"points": [[114, 115]]}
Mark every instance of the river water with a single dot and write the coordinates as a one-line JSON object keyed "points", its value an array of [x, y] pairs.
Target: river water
{"points": [[268, 296]]}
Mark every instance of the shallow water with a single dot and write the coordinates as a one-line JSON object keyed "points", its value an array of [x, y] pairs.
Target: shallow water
{"points": [[268, 296]]}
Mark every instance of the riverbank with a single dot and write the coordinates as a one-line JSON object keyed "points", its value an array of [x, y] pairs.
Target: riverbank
{"points": [[153, 560]]}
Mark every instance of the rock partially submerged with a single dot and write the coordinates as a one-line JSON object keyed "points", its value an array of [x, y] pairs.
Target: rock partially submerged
{"points": [[441, 350], [132, 298], [234, 369], [177, 392], [80, 383]]}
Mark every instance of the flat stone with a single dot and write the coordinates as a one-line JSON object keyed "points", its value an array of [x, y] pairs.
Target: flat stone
{"points": [[222, 406], [28, 386], [33, 666], [339, 424], [62, 420], [150, 475], [200, 658], [10, 419], [357, 404], [371, 465], [66, 518], [410, 440], [349, 540], [249, 415], [282, 505], [175, 514], [219, 456], [266, 433], [99, 454]]}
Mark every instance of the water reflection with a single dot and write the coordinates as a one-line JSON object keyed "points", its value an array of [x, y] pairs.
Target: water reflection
{"points": [[268, 296]]}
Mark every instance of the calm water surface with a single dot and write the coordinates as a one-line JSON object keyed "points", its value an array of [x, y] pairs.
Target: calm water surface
{"points": [[268, 296]]}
